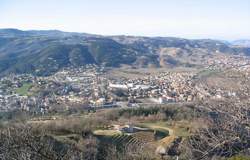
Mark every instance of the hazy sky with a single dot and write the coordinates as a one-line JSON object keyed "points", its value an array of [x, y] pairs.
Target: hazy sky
{"points": [[220, 19]]}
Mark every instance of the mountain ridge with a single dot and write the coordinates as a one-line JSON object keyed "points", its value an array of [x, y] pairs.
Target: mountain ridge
{"points": [[47, 51]]}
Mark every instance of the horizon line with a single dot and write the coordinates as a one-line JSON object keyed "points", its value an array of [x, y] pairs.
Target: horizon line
{"points": [[126, 35]]}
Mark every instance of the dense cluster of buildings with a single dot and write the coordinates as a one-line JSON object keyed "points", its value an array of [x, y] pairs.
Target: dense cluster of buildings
{"points": [[162, 88], [89, 86], [237, 62], [69, 87]]}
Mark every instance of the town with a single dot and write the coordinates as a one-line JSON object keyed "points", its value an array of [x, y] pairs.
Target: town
{"points": [[90, 87]]}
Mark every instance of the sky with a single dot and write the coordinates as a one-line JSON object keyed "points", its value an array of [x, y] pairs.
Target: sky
{"points": [[215, 19]]}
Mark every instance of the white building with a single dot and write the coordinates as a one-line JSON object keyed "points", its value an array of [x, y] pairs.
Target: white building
{"points": [[118, 86]]}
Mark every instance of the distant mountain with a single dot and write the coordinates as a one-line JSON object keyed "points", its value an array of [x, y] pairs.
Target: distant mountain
{"points": [[45, 52], [244, 43], [10, 32]]}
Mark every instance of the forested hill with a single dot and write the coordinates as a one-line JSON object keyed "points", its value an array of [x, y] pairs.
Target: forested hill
{"points": [[45, 52]]}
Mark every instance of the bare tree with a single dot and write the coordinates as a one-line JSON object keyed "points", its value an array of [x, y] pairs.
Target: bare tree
{"points": [[21, 143], [228, 132]]}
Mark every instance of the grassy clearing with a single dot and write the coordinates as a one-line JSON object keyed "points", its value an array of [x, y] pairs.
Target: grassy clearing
{"points": [[179, 129], [106, 132], [175, 129], [24, 90], [157, 126]]}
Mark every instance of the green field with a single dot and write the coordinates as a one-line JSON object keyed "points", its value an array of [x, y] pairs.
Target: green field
{"points": [[24, 90], [106, 132], [179, 129]]}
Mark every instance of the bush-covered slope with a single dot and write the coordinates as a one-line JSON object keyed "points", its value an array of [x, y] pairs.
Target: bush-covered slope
{"points": [[45, 52]]}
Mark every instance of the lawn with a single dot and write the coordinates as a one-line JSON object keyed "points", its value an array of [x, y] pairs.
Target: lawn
{"points": [[157, 126], [175, 129], [24, 90], [179, 129], [106, 132]]}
